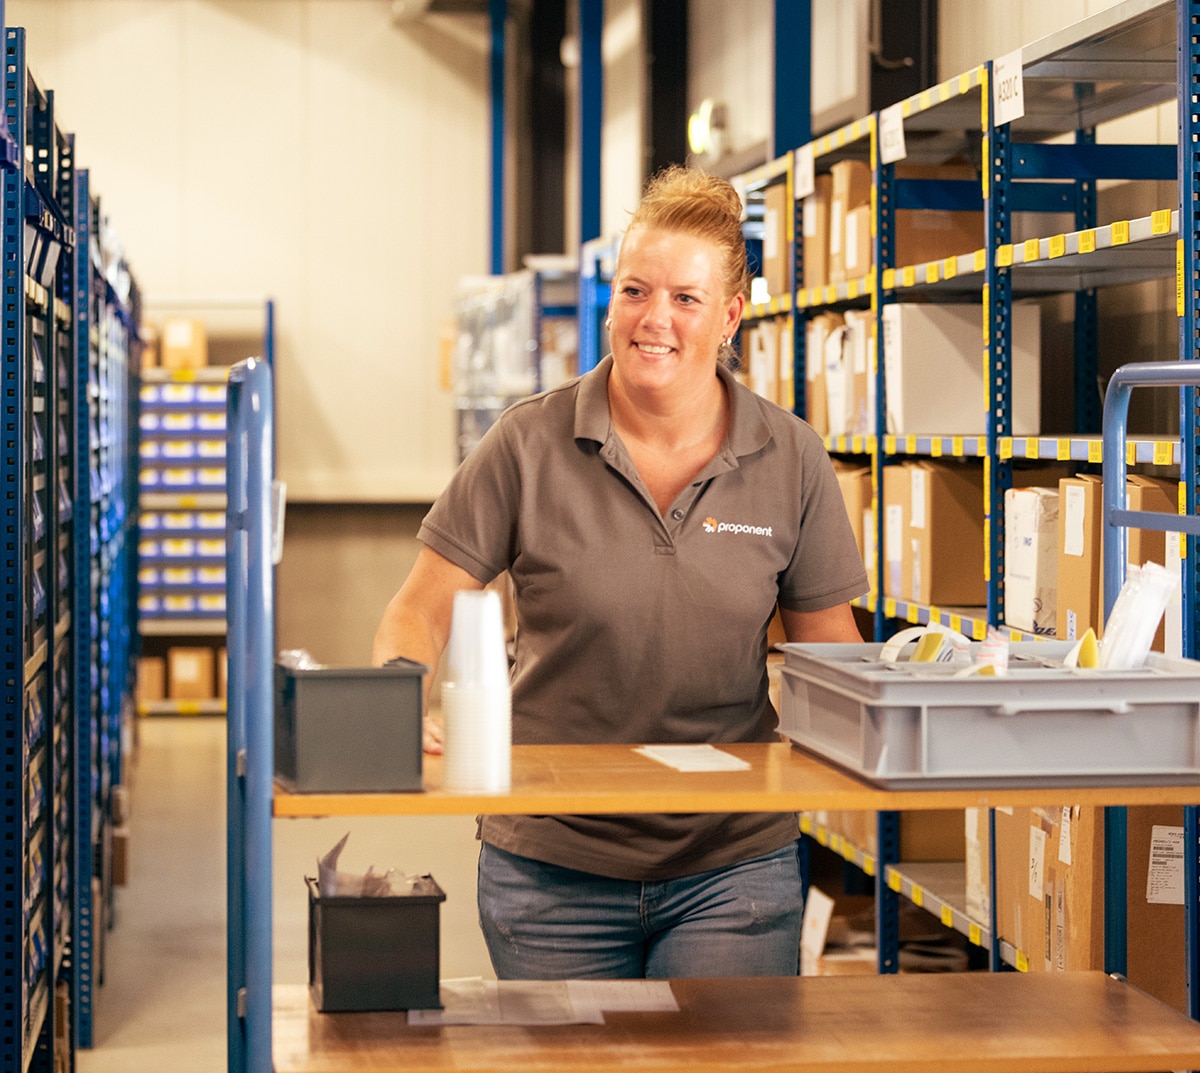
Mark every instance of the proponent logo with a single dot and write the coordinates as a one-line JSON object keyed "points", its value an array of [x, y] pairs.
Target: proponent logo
{"points": [[711, 525]]}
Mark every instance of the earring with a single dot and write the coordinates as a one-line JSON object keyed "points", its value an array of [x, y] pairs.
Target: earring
{"points": [[608, 322]]}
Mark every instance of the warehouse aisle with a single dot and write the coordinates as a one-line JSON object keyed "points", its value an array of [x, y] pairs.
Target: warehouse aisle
{"points": [[162, 1003]]}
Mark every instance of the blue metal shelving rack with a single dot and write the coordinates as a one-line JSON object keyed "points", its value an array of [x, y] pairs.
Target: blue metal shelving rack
{"points": [[41, 479]]}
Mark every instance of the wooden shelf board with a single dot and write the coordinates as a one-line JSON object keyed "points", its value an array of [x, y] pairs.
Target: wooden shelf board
{"points": [[921, 1023], [613, 778]]}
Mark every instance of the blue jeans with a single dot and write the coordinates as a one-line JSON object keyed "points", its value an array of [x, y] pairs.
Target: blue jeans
{"points": [[544, 922]]}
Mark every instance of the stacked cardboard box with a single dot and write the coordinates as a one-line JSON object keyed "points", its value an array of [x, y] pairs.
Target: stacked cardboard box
{"points": [[1031, 559], [815, 224], [1080, 547], [769, 360], [183, 344], [855, 484], [190, 673], [933, 369], [933, 533], [777, 266], [1050, 890]]}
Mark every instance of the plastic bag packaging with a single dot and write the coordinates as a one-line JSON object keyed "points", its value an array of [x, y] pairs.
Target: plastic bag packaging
{"points": [[372, 884], [298, 659], [1139, 607]]}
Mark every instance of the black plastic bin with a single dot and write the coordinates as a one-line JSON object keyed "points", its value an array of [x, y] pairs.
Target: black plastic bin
{"points": [[371, 954], [349, 729]]}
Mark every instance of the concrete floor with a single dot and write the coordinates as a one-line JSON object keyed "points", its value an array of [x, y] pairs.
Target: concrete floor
{"points": [[161, 1004]]}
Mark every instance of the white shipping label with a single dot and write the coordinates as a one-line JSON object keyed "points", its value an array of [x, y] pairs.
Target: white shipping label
{"points": [[1008, 88], [837, 224], [787, 354], [919, 485], [771, 233], [1164, 881], [893, 538], [1037, 863], [972, 824], [852, 244], [1064, 836], [810, 218], [805, 177], [1075, 515], [891, 134]]}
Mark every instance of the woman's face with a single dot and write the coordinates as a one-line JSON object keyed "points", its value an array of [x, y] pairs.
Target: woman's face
{"points": [[669, 310]]}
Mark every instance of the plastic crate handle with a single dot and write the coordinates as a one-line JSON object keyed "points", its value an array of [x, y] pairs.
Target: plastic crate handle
{"points": [[1114, 707]]}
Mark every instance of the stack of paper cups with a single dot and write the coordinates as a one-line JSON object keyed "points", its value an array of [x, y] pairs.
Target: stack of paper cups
{"points": [[477, 698]]}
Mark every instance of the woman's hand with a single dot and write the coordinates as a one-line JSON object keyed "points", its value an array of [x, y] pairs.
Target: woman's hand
{"points": [[432, 735]]}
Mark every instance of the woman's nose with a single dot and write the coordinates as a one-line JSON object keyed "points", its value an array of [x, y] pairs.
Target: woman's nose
{"points": [[657, 311]]}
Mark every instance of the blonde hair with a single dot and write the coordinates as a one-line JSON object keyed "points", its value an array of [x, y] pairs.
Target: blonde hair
{"points": [[689, 201]]}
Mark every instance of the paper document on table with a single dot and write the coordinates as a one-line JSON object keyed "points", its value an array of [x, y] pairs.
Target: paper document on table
{"points": [[476, 1001], [622, 996], [693, 757]]}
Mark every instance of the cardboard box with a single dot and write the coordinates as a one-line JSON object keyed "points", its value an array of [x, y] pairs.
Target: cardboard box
{"points": [[839, 381], [1079, 553], [183, 344], [944, 540], [851, 189], [1156, 945], [785, 384], [858, 242], [933, 369], [977, 857], [148, 337], [151, 679], [222, 674], [1050, 885], [120, 856], [764, 359], [816, 332], [855, 484], [922, 235], [1031, 559], [925, 834], [190, 673], [859, 342], [777, 246], [897, 560], [815, 226]]}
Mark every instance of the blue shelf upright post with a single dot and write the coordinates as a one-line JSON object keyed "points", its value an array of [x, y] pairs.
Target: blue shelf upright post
{"points": [[250, 749], [1189, 427], [792, 125], [591, 117], [86, 715], [497, 18], [12, 610]]}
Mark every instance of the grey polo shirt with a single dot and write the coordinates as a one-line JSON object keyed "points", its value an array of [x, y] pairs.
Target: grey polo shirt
{"points": [[634, 626]]}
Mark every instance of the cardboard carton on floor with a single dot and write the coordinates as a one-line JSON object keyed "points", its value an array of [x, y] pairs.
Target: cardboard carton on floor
{"points": [[190, 673]]}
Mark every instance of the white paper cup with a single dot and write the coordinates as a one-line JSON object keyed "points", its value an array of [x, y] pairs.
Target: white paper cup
{"points": [[477, 653], [477, 740]]}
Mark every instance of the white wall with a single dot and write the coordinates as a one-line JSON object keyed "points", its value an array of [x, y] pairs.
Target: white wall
{"points": [[306, 150]]}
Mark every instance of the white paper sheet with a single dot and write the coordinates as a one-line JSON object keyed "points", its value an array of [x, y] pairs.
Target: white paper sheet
{"points": [[475, 1001], [693, 757]]}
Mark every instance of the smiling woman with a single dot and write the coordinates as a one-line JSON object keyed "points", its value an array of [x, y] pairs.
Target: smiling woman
{"points": [[640, 512]]}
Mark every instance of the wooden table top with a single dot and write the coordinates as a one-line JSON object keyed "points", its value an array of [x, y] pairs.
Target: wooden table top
{"points": [[562, 779], [1077, 1022]]}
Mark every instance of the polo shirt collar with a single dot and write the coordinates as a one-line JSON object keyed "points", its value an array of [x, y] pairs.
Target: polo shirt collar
{"points": [[748, 430]]}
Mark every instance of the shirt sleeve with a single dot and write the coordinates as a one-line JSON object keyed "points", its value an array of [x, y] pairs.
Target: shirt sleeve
{"points": [[826, 569], [473, 523]]}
